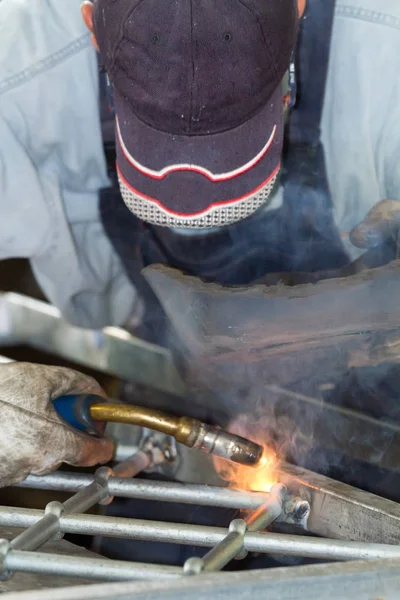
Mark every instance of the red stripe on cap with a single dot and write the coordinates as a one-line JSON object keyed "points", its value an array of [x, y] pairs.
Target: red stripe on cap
{"points": [[209, 208], [215, 178]]}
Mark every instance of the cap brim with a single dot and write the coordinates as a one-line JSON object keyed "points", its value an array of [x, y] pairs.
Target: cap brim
{"points": [[190, 177]]}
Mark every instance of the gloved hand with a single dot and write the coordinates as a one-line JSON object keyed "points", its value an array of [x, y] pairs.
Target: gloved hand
{"points": [[380, 225], [33, 439]]}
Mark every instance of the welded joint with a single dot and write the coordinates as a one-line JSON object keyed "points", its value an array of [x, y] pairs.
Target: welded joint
{"points": [[233, 546], [101, 478], [160, 448], [239, 526], [57, 509], [270, 511], [5, 549]]}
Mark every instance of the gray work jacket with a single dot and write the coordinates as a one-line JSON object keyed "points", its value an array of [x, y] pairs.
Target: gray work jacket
{"points": [[51, 155]]}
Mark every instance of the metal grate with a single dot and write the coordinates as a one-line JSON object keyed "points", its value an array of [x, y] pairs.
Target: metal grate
{"points": [[244, 534]]}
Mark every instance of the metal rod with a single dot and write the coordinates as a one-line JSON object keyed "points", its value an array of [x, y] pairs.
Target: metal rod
{"points": [[37, 534], [339, 511], [93, 568], [233, 544], [268, 512], [133, 465], [86, 497], [183, 533], [219, 556], [150, 490]]}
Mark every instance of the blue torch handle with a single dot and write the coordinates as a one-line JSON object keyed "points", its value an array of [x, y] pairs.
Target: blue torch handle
{"points": [[75, 410]]}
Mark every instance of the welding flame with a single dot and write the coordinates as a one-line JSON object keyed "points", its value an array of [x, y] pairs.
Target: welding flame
{"points": [[258, 479]]}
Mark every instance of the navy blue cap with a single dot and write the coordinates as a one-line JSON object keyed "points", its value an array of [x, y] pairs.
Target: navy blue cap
{"points": [[199, 103]]}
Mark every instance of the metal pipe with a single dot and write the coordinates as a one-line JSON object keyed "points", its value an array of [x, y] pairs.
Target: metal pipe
{"points": [[93, 568], [86, 498], [150, 490], [198, 535]]}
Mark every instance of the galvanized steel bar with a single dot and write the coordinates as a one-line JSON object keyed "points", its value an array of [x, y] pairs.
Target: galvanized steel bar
{"points": [[341, 511], [24, 320], [338, 510], [49, 525], [92, 568], [38, 534], [227, 549], [86, 498], [151, 490], [198, 535], [233, 544]]}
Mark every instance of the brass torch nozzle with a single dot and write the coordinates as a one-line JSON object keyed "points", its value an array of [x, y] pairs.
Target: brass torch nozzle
{"points": [[187, 431]]}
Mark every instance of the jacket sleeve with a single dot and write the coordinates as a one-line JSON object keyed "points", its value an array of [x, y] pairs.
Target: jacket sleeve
{"points": [[52, 163], [361, 121]]}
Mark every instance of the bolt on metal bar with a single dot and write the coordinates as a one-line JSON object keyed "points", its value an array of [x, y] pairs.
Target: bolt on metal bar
{"points": [[148, 490], [233, 545], [92, 568], [203, 536], [85, 498]]}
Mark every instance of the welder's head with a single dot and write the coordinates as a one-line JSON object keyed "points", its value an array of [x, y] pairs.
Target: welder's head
{"points": [[198, 93]]}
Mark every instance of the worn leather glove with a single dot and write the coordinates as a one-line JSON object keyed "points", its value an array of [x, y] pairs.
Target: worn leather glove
{"points": [[33, 439], [381, 224]]}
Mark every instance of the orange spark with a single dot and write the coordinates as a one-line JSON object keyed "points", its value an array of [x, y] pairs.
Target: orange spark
{"points": [[260, 478]]}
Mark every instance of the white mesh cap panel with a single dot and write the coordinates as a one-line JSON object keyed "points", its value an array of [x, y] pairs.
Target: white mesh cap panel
{"points": [[216, 216]]}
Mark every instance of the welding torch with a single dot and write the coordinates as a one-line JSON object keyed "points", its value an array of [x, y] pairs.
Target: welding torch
{"points": [[89, 413]]}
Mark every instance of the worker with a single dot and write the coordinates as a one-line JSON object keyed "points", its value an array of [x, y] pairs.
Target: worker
{"points": [[199, 100]]}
